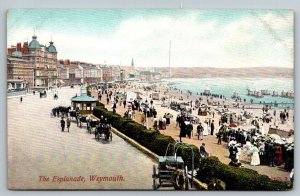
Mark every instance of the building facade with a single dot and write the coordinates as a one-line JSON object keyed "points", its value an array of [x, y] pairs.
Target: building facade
{"points": [[39, 61], [149, 75], [20, 69], [107, 75]]}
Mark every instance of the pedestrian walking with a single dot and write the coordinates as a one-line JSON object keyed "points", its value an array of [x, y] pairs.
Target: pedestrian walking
{"points": [[200, 131], [21, 99], [62, 124], [212, 127], [68, 124], [219, 136], [114, 107]]}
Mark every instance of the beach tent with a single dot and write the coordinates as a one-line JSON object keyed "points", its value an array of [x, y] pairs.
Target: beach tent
{"points": [[131, 96]]}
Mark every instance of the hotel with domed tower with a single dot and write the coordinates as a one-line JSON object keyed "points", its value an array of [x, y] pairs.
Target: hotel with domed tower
{"points": [[32, 65]]}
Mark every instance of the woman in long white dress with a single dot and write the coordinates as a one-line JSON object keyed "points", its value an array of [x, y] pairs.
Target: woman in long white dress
{"points": [[205, 129], [255, 157], [239, 152]]}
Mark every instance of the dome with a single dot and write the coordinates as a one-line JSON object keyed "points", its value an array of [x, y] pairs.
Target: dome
{"points": [[52, 48], [34, 44]]}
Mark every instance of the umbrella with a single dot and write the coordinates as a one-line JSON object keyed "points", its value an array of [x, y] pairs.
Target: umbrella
{"points": [[277, 138]]}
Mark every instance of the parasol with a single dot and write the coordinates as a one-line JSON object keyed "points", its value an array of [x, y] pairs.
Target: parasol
{"points": [[277, 138]]}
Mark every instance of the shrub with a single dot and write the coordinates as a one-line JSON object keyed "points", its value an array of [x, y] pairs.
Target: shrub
{"points": [[149, 138], [236, 178]]}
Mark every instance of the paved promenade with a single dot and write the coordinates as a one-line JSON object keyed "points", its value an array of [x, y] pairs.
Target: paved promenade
{"points": [[37, 147]]}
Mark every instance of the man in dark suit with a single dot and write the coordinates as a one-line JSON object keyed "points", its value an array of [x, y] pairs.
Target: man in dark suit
{"points": [[62, 124], [182, 131], [212, 128], [271, 155], [203, 152]]}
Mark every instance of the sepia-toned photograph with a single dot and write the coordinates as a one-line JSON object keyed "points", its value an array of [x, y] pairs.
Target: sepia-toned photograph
{"points": [[150, 99]]}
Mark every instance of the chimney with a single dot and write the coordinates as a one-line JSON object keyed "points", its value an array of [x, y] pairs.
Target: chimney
{"points": [[19, 48], [67, 62], [25, 49], [10, 51]]}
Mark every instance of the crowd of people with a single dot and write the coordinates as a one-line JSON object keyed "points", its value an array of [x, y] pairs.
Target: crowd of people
{"points": [[252, 147], [258, 149]]}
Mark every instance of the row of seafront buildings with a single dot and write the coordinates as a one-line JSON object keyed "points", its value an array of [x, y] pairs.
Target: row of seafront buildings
{"points": [[36, 66]]}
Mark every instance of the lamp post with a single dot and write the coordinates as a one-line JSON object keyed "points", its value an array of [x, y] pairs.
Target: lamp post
{"points": [[147, 119], [48, 73]]}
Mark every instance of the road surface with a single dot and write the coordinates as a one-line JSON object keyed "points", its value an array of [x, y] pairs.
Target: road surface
{"points": [[38, 151]]}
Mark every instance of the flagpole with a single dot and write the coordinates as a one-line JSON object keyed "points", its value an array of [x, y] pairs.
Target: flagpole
{"points": [[169, 71]]}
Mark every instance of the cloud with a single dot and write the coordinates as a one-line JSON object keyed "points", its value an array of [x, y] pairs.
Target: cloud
{"points": [[249, 41]]}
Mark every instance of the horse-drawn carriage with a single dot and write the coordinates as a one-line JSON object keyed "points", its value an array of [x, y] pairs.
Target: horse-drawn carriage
{"points": [[60, 111], [82, 119], [73, 113], [92, 123], [103, 130], [43, 94]]}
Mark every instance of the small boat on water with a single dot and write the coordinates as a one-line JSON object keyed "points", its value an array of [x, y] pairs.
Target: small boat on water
{"points": [[255, 93], [206, 91], [288, 94], [258, 94], [265, 92], [274, 93], [235, 95]]}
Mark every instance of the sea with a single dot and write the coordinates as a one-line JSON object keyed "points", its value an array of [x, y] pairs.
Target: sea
{"points": [[226, 87]]}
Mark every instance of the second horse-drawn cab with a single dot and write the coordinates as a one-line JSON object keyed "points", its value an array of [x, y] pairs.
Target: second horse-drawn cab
{"points": [[92, 123], [82, 119], [103, 131]]}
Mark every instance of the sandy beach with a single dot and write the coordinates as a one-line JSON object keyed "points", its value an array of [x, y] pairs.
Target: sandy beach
{"points": [[221, 151]]}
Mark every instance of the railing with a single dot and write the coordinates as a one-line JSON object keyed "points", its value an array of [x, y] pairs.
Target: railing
{"points": [[19, 93]]}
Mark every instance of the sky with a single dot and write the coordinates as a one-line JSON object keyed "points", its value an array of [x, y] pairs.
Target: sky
{"points": [[199, 38]]}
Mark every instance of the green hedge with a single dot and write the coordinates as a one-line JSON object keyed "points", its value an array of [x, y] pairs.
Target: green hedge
{"points": [[208, 168], [149, 138], [237, 178]]}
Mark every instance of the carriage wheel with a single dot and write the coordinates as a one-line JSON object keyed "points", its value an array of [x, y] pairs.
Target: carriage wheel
{"points": [[154, 185], [154, 171], [154, 176]]}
